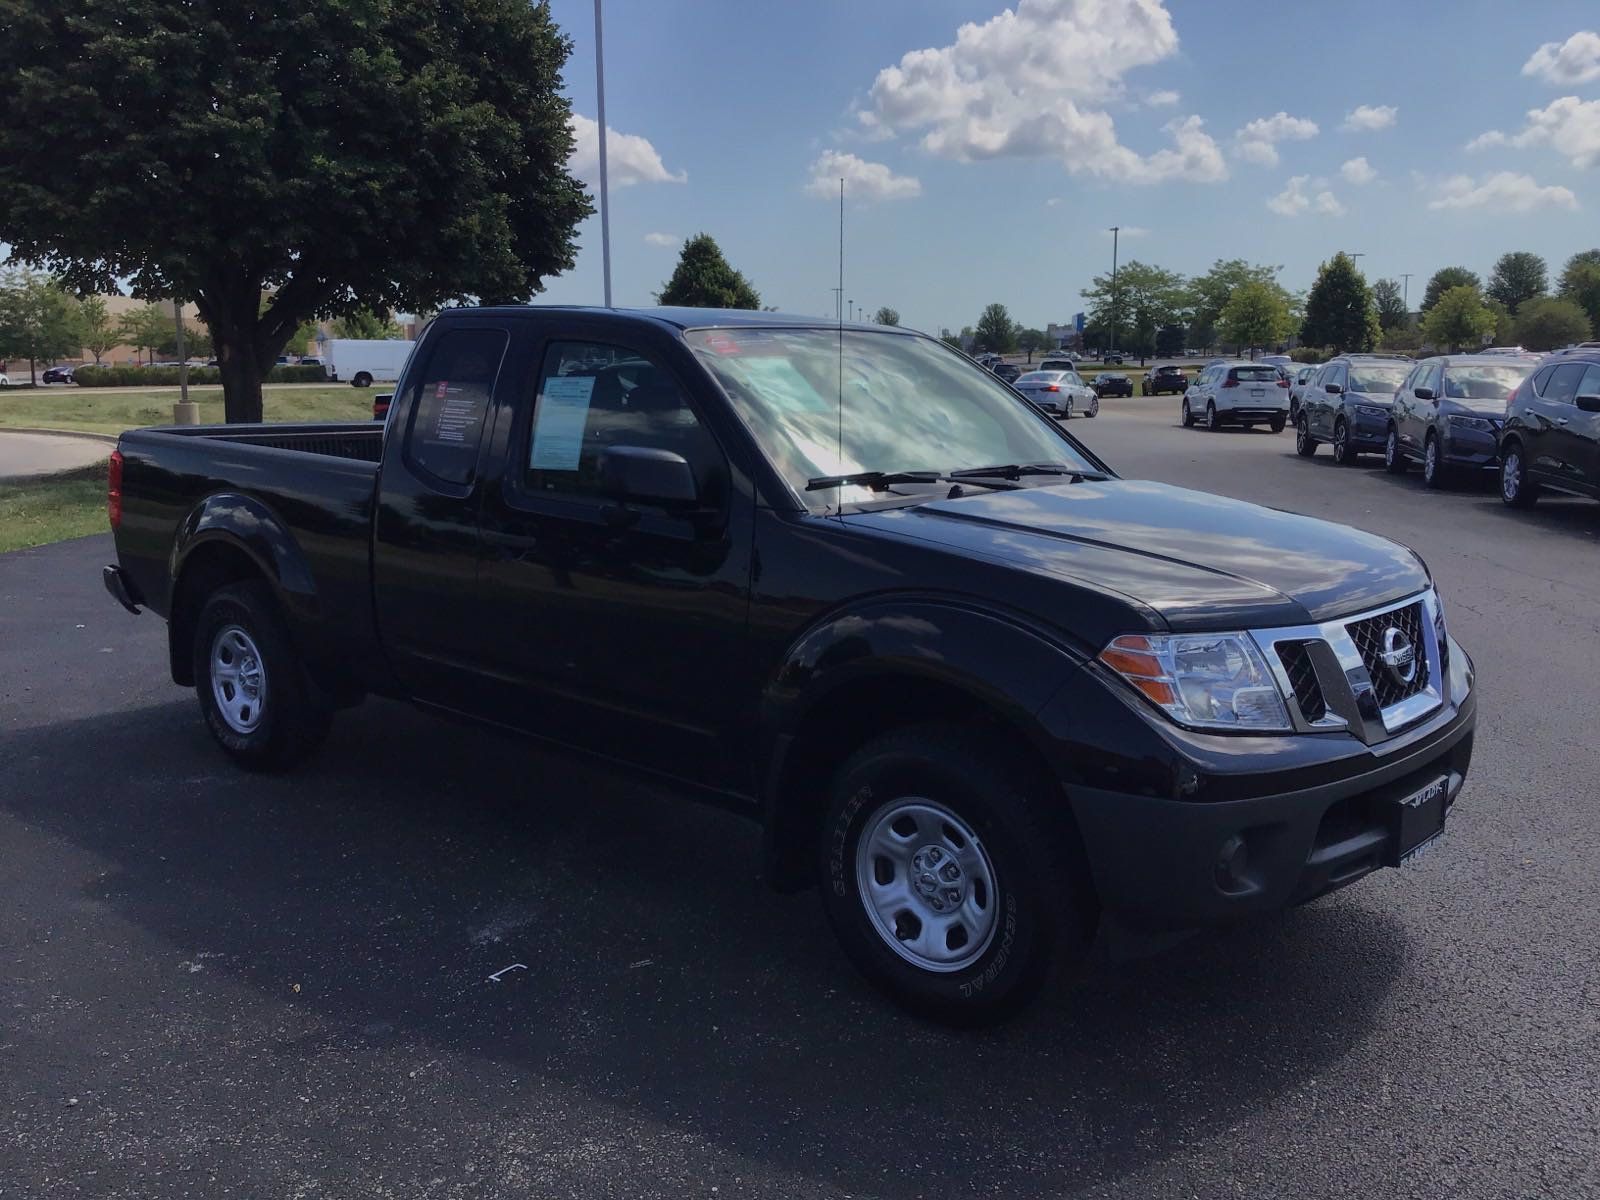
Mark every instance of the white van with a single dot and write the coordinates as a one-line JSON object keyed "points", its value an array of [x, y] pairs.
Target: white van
{"points": [[365, 361]]}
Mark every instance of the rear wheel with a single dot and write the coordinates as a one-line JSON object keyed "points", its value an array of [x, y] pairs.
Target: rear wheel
{"points": [[1188, 417], [254, 694], [950, 874], [1515, 487], [1434, 472], [1304, 444], [1343, 453], [361, 379], [1276, 424], [1213, 422], [1094, 406]]}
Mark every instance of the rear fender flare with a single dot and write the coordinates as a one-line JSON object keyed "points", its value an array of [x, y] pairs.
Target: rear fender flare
{"points": [[248, 525]]}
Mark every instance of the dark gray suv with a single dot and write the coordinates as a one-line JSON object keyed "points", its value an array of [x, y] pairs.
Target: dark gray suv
{"points": [[1348, 404], [1552, 431], [1448, 413]]}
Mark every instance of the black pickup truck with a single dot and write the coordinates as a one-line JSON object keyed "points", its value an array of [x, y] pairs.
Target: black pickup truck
{"points": [[988, 695]]}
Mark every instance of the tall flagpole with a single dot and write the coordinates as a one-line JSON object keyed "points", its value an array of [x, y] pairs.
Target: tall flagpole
{"points": [[605, 198]]}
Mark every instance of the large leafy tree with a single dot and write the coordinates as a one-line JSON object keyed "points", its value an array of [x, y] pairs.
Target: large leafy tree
{"points": [[1518, 276], [1209, 294], [1459, 319], [1340, 311], [1550, 322], [378, 153], [1030, 340], [703, 278], [38, 320], [1580, 283], [995, 332], [1443, 280], [1146, 298], [886, 316], [1386, 294], [98, 330], [1256, 315], [146, 327], [364, 323]]}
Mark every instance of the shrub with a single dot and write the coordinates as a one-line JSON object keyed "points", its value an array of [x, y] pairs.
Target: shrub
{"points": [[168, 376], [1311, 354]]}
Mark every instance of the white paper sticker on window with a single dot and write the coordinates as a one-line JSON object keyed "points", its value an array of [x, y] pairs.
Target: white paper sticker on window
{"points": [[558, 430]]}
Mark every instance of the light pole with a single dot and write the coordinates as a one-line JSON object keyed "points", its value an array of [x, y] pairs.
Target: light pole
{"points": [[1116, 231], [1405, 291], [605, 199]]}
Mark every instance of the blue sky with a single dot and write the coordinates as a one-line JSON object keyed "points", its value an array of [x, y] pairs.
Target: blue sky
{"points": [[960, 177]]}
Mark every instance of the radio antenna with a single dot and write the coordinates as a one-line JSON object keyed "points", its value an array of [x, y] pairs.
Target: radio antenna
{"points": [[840, 319]]}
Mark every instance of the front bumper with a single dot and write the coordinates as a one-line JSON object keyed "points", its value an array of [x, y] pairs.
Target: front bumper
{"points": [[1470, 448], [1368, 432]]}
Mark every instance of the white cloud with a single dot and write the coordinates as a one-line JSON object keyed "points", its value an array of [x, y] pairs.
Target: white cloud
{"points": [[630, 158], [1052, 202], [1032, 82], [1161, 99], [1263, 154], [1257, 141], [1367, 117], [662, 239], [863, 180], [1502, 192], [1358, 171], [1576, 60], [1569, 126], [1302, 194]]}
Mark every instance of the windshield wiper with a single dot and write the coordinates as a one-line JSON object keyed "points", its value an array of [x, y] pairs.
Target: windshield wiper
{"points": [[1018, 470], [876, 480]]}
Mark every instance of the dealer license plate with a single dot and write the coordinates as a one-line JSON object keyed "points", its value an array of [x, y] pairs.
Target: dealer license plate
{"points": [[1416, 820]]}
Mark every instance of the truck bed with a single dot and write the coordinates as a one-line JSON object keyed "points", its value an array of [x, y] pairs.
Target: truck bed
{"points": [[362, 441]]}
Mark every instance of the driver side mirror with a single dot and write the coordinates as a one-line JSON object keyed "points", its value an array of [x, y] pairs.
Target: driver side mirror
{"points": [[1588, 404], [648, 476], [1333, 389], [1422, 393]]}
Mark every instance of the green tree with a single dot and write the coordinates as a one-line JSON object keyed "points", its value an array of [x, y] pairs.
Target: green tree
{"points": [[1391, 304], [1031, 340], [951, 339], [1170, 339], [1459, 319], [1340, 311], [703, 278], [886, 316], [197, 341], [1550, 322], [363, 323], [38, 320], [1518, 276], [1208, 294], [1580, 283], [385, 155], [146, 327], [995, 332], [1443, 280], [1401, 338], [1256, 315], [1147, 297], [98, 329]]}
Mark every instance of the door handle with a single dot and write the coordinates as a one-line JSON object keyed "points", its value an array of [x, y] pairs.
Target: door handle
{"points": [[1527, 412], [1561, 420]]}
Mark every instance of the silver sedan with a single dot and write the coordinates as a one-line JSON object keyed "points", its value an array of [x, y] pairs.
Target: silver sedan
{"points": [[1059, 393]]}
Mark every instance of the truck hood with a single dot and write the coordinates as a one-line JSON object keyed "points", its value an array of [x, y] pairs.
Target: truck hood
{"points": [[1198, 561]]}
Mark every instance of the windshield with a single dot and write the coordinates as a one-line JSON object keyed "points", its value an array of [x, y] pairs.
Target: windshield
{"points": [[1378, 378], [1488, 381], [908, 404]]}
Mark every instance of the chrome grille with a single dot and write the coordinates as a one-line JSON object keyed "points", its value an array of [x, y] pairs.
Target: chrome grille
{"points": [[1368, 636]]}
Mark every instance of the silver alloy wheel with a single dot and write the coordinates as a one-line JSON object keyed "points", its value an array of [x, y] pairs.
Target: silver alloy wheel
{"points": [[1188, 418], [1211, 414], [1341, 441], [1511, 475], [1066, 412], [1302, 434], [927, 885], [238, 679], [1094, 406], [1391, 448], [1430, 460]]}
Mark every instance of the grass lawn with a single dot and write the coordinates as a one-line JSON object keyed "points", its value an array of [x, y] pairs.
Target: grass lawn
{"points": [[91, 410], [54, 508]]}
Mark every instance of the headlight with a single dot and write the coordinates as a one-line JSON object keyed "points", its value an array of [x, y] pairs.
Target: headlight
{"points": [[1207, 680], [1371, 410], [1481, 423]]}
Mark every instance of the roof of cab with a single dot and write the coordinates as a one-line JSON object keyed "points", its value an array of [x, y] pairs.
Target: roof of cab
{"points": [[685, 318]]}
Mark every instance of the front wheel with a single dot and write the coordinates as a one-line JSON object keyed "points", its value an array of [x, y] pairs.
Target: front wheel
{"points": [[949, 874], [254, 694], [1515, 488], [1394, 461], [1343, 453], [1304, 444], [1434, 473], [1188, 417]]}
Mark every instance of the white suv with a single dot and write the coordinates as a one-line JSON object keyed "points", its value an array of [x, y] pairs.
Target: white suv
{"points": [[1238, 393]]}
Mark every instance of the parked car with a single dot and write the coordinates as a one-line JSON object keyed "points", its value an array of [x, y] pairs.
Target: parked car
{"points": [[984, 692], [1007, 371], [1112, 383], [1237, 393], [1448, 412], [5, 380], [1282, 361], [1551, 436], [1349, 405], [1504, 350], [310, 360], [365, 361], [1158, 381], [1059, 393], [1297, 385], [1058, 362], [1578, 348], [1113, 359], [61, 374]]}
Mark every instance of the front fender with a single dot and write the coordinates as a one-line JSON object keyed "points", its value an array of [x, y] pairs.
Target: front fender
{"points": [[248, 525]]}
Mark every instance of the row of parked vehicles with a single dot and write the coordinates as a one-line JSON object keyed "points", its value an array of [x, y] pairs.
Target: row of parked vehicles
{"points": [[1534, 419]]}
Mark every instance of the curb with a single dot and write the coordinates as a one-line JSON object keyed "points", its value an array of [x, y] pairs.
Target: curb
{"points": [[109, 438]]}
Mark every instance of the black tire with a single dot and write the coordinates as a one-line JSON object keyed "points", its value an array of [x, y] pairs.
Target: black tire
{"points": [[1304, 444], [1040, 905], [1342, 453], [1213, 422], [1188, 417], [1394, 458], [361, 379], [1516, 491], [292, 718], [1094, 407], [1435, 473], [1276, 424]]}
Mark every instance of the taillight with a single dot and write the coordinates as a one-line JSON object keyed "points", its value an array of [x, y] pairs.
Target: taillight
{"points": [[1052, 387], [1282, 382], [1228, 383], [114, 490]]}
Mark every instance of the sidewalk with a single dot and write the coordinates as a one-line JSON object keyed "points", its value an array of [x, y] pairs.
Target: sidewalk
{"points": [[25, 455]]}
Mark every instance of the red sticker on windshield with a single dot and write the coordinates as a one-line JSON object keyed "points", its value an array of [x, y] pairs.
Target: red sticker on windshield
{"points": [[444, 387], [721, 343]]}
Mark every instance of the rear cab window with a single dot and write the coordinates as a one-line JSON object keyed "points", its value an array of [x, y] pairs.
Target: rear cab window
{"points": [[450, 398]]}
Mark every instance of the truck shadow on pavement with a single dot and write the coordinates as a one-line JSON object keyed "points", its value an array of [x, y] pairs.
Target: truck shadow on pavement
{"points": [[393, 875]]}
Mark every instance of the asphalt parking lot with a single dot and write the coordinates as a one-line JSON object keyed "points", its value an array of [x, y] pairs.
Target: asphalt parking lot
{"points": [[217, 984]]}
